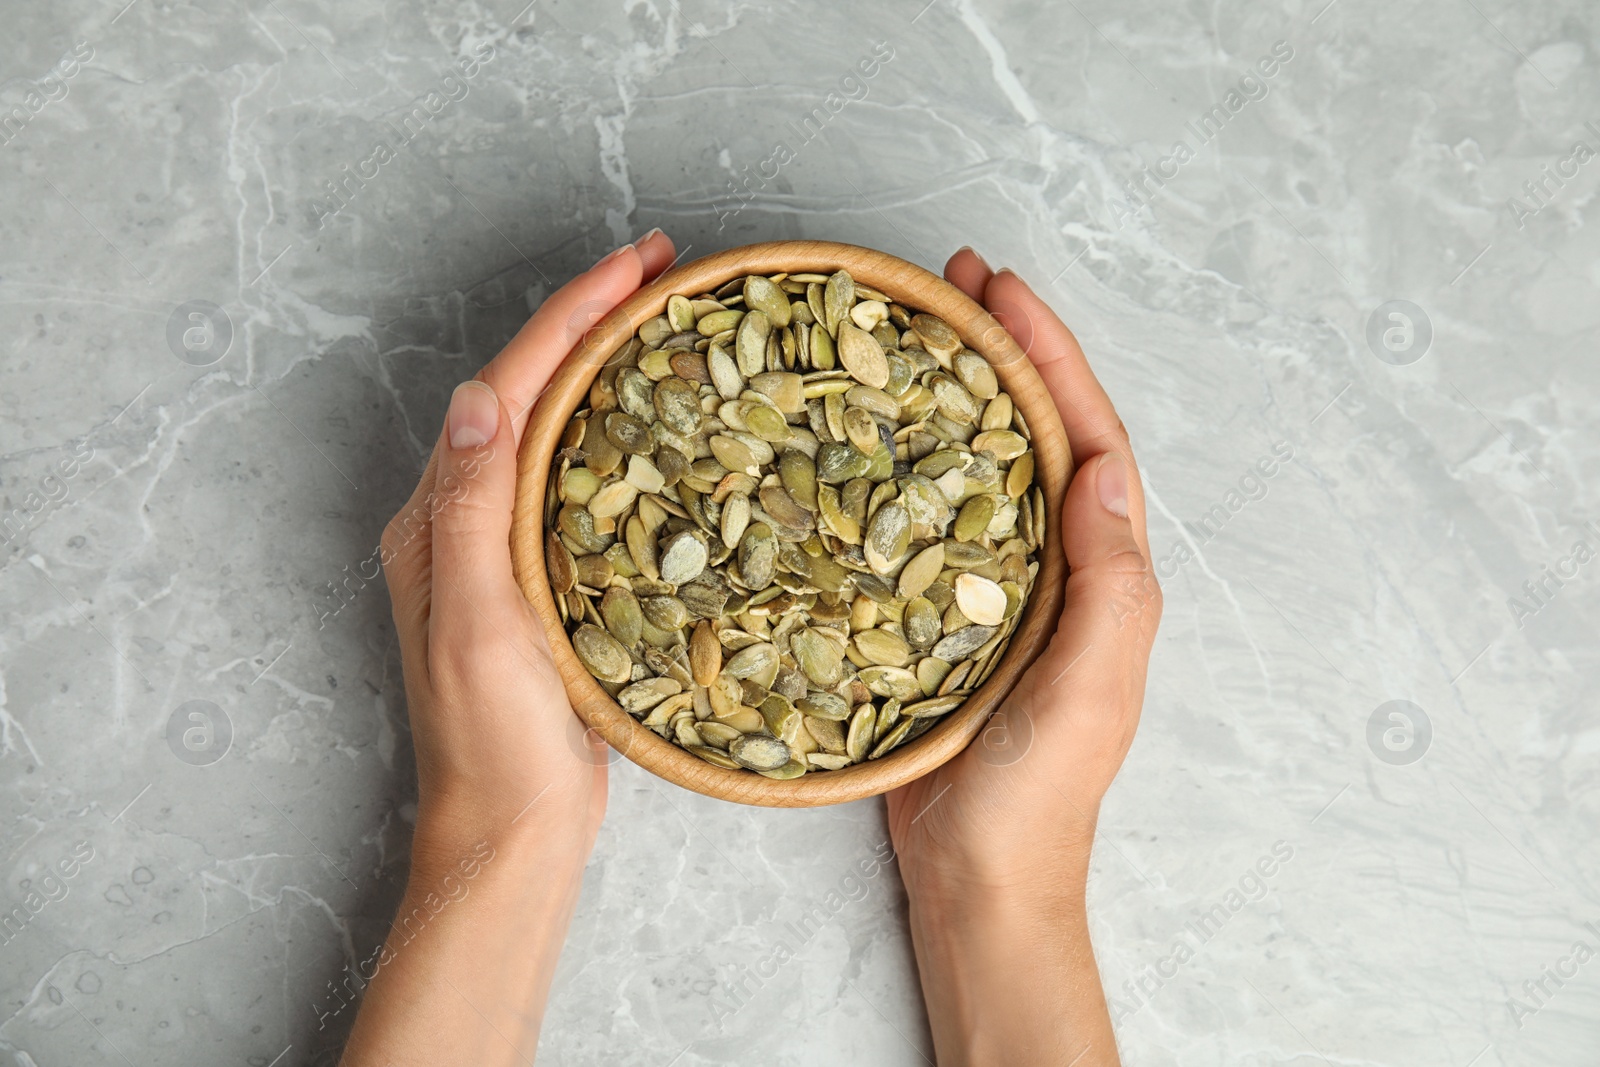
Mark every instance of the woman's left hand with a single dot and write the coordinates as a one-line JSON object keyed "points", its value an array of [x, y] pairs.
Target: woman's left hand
{"points": [[465, 972], [484, 697]]}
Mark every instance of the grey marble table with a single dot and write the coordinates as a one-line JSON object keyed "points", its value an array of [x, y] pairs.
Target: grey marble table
{"points": [[1336, 263]]}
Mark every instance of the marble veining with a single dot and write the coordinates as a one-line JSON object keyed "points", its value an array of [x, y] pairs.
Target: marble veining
{"points": [[249, 248]]}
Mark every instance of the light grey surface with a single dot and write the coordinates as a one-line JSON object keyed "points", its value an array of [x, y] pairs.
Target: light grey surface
{"points": [[189, 556]]}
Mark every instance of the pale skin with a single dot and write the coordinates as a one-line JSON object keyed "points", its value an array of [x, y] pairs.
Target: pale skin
{"points": [[993, 847]]}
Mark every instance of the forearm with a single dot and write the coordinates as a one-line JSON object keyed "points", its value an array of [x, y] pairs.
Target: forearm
{"points": [[465, 971], [1009, 975]]}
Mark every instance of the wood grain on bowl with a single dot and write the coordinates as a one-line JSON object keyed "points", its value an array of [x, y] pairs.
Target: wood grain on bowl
{"points": [[909, 285]]}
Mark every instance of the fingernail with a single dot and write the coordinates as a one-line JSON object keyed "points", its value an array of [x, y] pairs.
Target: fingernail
{"points": [[614, 253], [1111, 481], [975, 255], [647, 236], [474, 415]]}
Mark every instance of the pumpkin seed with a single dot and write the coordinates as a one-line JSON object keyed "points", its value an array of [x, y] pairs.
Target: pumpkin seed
{"points": [[760, 294], [642, 696], [758, 556], [683, 557], [894, 682], [829, 734], [921, 572], [891, 739], [862, 356], [601, 654], [921, 624], [623, 615], [859, 738], [758, 753], [884, 648], [936, 335], [559, 563], [962, 643], [974, 518], [924, 709], [793, 769], [888, 537]]}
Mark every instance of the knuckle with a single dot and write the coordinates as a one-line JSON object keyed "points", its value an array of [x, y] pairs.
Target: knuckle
{"points": [[1125, 583]]}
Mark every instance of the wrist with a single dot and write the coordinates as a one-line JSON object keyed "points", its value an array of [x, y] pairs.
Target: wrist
{"points": [[997, 871], [548, 835]]}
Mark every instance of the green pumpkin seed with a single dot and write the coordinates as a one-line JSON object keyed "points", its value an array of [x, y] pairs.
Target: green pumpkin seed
{"points": [[677, 403], [859, 738], [628, 433], [680, 313], [601, 654], [891, 739], [888, 537], [666, 613], [577, 524], [829, 733], [894, 682], [862, 356], [623, 616], [932, 707], [829, 706], [840, 463], [559, 563], [883, 648], [862, 430], [963, 643], [640, 697], [594, 571], [974, 518], [936, 336], [683, 557], [1003, 445], [718, 322], [931, 673], [578, 485], [758, 555], [734, 454], [838, 297], [759, 753], [751, 344], [974, 372], [843, 526], [922, 625], [793, 769], [778, 504], [924, 568], [818, 657], [717, 759], [955, 403]]}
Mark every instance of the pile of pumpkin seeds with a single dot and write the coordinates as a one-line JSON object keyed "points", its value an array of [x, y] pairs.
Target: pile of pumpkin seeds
{"points": [[795, 524]]}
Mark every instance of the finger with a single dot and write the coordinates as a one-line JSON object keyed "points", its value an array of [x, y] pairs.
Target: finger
{"points": [[522, 369], [1091, 422], [473, 587], [1086, 411], [656, 252], [967, 271], [406, 551]]}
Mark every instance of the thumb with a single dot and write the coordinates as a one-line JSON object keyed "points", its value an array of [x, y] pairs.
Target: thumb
{"points": [[474, 487], [1110, 581], [1113, 602]]}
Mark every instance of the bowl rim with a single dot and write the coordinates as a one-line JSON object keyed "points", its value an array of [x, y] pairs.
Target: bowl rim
{"points": [[567, 391]]}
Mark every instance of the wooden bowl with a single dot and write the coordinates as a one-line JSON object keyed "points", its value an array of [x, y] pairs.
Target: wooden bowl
{"points": [[910, 286]]}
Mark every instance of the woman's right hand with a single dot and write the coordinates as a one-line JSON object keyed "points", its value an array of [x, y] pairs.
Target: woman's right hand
{"points": [[994, 845]]}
